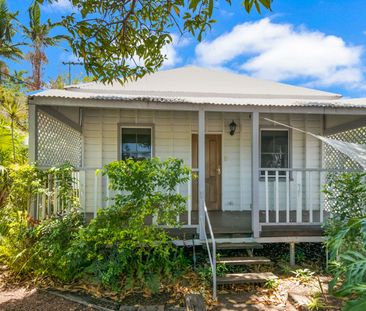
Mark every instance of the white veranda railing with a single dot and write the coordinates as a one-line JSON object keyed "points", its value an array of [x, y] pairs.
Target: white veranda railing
{"points": [[294, 195], [55, 199]]}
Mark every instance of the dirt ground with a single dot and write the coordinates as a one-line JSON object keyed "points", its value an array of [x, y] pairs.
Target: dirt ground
{"points": [[18, 297], [21, 299]]}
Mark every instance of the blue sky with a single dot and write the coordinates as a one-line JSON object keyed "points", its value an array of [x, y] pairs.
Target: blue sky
{"points": [[318, 44]]}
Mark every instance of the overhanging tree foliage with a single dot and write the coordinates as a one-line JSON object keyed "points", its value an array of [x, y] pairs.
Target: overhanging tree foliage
{"points": [[123, 39], [8, 49]]}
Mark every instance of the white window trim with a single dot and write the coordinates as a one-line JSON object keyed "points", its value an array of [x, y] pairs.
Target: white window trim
{"points": [[135, 126], [289, 137]]}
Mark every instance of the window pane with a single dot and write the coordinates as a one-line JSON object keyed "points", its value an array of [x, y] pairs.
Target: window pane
{"points": [[267, 143], [274, 149], [136, 143], [144, 142], [281, 143]]}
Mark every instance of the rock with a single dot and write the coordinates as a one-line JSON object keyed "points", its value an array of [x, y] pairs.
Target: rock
{"points": [[300, 301], [195, 302]]}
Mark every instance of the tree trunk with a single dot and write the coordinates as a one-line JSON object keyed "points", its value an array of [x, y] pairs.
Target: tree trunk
{"points": [[36, 62], [12, 138]]}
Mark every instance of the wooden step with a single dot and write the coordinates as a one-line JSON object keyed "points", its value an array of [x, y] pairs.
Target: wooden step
{"points": [[233, 246], [240, 261], [246, 278]]}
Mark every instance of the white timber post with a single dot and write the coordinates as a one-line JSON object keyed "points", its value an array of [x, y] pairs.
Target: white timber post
{"points": [[32, 124], [255, 172], [201, 170], [32, 146], [242, 164]]}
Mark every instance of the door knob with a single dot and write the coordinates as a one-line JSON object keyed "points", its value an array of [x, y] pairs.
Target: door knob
{"points": [[218, 170]]}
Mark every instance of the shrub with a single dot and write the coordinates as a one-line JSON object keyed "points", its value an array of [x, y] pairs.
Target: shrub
{"points": [[28, 245], [118, 249], [346, 237], [145, 188], [52, 238], [346, 198], [110, 252]]}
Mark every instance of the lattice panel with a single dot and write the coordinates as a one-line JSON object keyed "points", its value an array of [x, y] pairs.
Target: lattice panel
{"points": [[57, 142], [333, 159]]}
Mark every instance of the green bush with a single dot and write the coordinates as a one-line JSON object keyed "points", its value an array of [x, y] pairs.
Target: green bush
{"points": [[20, 183], [110, 252], [346, 198], [117, 249], [146, 188], [26, 244], [346, 237], [52, 239]]}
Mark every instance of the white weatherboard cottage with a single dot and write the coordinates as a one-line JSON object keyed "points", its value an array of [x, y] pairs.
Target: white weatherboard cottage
{"points": [[258, 179]]}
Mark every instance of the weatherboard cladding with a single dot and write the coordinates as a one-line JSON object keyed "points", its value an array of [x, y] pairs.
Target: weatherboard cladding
{"points": [[172, 137]]}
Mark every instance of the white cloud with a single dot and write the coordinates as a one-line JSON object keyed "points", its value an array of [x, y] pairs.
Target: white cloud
{"points": [[171, 50], [61, 6], [282, 52]]}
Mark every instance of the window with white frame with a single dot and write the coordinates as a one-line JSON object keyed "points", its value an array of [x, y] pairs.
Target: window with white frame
{"points": [[136, 143], [274, 149]]}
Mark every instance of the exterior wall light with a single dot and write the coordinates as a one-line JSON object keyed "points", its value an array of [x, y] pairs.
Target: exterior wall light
{"points": [[232, 127]]}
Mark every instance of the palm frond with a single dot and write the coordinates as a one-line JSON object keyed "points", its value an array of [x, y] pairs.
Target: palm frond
{"points": [[8, 49]]}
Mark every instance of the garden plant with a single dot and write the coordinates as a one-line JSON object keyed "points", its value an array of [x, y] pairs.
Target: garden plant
{"points": [[346, 237], [117, 250]]}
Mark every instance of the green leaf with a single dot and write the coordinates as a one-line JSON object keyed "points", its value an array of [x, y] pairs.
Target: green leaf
{"points": [[257, 6], [176, 9], [356, 305], [193, 4], [210, 7], [248, 5]]}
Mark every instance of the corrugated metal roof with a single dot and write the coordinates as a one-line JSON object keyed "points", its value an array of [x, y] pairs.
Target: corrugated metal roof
{"points": [[205, 86], [274, 102], [197, 82]]}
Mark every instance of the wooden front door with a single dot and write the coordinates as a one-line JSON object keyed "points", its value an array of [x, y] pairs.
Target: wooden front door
{"points": [[213, 171]]}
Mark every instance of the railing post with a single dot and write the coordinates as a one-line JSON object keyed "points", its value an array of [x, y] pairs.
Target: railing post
{"points": [[82, 188], [95, 194], [266, 195], [309, 196], [287, 196], [189, 201], [55, 195], [107, 190], [321, 197], [277, 197], [177, 191], [255, 172], [299, 196], [49, 194]]}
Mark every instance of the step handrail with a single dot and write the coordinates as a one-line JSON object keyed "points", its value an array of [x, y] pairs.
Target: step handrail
{"points": [[211, 255]]}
